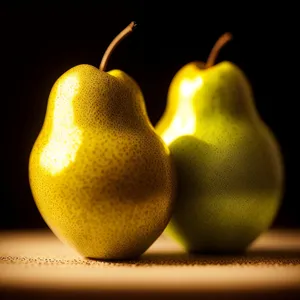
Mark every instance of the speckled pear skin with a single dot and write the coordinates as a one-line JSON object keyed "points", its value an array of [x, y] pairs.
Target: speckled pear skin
{"points": [[230, 170], [101, 177]]}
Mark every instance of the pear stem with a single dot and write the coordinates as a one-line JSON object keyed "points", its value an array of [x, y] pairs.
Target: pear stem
{"points": [[223, 39], [114, 43]]}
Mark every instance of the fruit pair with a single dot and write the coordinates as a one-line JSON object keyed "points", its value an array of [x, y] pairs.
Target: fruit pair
{"points": [[108, 185]]}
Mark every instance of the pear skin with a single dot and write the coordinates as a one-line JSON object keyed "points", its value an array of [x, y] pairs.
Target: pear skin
{"points": [[101, 177], [228, 162]]}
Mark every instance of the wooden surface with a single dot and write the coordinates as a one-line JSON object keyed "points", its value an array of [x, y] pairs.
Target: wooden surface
{"points": [[36, 265]]}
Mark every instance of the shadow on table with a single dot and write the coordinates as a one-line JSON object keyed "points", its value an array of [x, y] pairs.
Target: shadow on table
{"points": [[253, 257]]}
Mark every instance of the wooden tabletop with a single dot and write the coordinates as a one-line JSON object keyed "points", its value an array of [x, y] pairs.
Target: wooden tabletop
{"points": [[36, 265]]}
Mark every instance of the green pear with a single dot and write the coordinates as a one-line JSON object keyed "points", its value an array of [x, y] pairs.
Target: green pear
{"points": [[229, 164], [101, 177]]}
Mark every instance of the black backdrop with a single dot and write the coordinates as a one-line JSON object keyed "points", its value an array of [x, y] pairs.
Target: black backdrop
{"points": [[40, 42]]}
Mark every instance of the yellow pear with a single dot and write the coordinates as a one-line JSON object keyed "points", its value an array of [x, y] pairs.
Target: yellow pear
{"points": [[101, 177], [229, 164]]}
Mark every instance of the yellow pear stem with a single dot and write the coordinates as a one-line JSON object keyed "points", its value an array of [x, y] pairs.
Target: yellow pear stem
{"points": [[223, 39], [114, 43]]}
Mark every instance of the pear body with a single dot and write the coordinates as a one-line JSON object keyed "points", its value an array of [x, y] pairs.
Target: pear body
{"points": [[229, 164], [101, 177]]}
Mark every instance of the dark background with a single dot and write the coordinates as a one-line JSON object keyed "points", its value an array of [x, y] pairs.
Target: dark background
{"points": [[40, 42]]}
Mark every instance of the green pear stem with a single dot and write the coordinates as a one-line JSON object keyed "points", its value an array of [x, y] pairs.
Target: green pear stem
{"points": [[223, 39], [114, 43]]}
